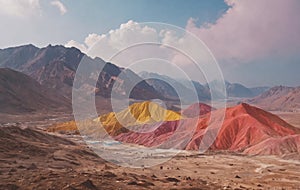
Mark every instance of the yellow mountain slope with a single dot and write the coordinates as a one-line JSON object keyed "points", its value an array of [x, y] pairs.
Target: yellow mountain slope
{"points": [[136, 114]]}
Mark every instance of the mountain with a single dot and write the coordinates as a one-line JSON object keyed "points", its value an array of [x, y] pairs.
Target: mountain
{"points": [[279, 98], [168, 86], [20, 93], [116, 123], [164, 88], [55, 67], [135, 115], [244, 128]]}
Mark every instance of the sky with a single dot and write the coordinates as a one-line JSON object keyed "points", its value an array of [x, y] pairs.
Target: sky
{"points": [[255, 42]]}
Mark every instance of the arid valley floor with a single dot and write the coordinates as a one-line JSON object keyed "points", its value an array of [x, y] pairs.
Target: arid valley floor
{"points": [[32, 159]]}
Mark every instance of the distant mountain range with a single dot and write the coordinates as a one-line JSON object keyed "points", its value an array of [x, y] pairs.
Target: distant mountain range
{"points": [[279, 98], [167, 85], [55, 67], [239, 90], [236, 90]]}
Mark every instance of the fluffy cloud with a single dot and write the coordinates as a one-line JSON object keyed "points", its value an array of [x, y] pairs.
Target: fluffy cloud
{"points": [[19, 8], [61, 7], [252, 29], [106, 45], [133, 33]]}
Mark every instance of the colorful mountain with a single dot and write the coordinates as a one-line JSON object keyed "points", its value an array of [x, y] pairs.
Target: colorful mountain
{"points": [[135, 115], [244, 126]]}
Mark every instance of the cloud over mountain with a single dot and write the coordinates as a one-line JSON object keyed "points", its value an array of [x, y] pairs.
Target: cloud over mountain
{"points": [[252, 29], [136, 42], [106, 45]]}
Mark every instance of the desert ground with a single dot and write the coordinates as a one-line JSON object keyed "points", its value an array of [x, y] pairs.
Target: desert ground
{"points": [[34, 159]]}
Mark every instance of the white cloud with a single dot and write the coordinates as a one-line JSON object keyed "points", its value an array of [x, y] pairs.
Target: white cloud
{"points": [[61, 7], [131, 33], [92, 38], [106, 45], [253, 29], [20, 8]]}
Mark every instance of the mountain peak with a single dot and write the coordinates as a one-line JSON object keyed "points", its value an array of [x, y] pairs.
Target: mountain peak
{"points": [[29, 46], [245, 106]]}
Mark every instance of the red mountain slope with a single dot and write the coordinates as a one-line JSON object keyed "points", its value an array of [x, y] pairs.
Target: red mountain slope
{"points": [[244, 126]]}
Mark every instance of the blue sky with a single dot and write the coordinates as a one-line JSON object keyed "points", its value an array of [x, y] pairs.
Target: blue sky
{"points": [[100, 16], [256, 42]]}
